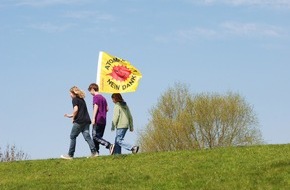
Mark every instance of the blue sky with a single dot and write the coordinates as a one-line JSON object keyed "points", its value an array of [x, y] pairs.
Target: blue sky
{"points": [[48, 46]]}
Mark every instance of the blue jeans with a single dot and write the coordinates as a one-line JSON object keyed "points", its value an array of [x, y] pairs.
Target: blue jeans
{"points": [[75, 131], [119, 141], [97, 133]]}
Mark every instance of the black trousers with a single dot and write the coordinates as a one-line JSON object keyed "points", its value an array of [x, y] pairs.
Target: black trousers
{"points": [[97, 133]]}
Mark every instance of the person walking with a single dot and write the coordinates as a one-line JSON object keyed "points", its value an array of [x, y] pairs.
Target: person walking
{"points": [[99, 118], [122, 121], [81, 123]]}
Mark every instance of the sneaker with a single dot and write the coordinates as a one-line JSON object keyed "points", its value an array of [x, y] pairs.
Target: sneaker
{"points": [[96, 154], [111, 148], [66, 157], [135, 149]]}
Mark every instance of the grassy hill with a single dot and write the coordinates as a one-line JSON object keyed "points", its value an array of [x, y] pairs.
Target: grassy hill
{"points": [[257, 167]]}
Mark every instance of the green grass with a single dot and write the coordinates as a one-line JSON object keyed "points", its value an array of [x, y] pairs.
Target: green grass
{"points": [[258, 167]]}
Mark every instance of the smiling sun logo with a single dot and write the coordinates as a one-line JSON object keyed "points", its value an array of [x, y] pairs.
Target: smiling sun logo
{"points": [[120, 73]]}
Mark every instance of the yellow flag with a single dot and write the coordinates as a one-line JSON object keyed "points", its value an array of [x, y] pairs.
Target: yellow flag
{"points": [[116, 75]]}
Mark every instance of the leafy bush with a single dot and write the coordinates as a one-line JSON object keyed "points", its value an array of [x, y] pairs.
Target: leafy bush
{"points": [[11, 153], [185, 121]]}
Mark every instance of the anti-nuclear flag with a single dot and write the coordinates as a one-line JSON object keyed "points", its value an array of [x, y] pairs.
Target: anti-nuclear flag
{"points": [[116, 75]]}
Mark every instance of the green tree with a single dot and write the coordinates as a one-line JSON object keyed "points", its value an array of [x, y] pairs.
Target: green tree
{"points": [[225, 120], [181, 121]]}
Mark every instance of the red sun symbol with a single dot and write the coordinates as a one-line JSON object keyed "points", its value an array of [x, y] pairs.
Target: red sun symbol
{"points": [[120, 73]]}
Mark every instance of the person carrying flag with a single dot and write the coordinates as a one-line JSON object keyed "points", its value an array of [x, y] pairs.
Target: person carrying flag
{"points": [[100, 109], [122, 121]]}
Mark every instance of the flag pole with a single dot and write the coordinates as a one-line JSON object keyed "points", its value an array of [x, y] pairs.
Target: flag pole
{"points": [[99, 68]]}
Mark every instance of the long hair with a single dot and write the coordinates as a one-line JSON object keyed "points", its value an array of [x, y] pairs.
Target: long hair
{"points": [[117, 97], [78, 92]]}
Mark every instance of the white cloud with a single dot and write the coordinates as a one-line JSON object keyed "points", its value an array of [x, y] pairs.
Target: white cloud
{"points": [[268, 3], [274, 3], [43, 3], [226, 30], [51, 28], [92, 15], [252, 30], [190, 34], [196, 33]]}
